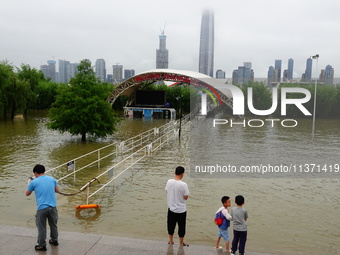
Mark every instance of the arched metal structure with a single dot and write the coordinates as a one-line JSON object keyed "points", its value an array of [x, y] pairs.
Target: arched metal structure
{"points": [[215, 86]]}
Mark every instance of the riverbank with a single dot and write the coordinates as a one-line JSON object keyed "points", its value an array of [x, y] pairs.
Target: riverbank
{"points": [[20, 240]]}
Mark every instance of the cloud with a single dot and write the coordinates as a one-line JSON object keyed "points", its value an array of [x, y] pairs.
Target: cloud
{"points": [[127, 32]]}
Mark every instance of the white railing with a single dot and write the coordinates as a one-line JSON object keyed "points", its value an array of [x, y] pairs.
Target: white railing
{"points": [[114, 150], [133, 159], [123, 155]]}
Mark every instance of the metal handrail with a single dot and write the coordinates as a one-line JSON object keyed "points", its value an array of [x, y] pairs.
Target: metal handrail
{"points": [[144, 149], [136, 148], [129, 145]]}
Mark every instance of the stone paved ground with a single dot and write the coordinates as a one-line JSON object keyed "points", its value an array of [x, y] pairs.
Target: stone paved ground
{"points": [[21, 241]]}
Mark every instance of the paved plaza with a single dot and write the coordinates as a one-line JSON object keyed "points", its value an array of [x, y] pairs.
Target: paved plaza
{"points": [[21, 241]]}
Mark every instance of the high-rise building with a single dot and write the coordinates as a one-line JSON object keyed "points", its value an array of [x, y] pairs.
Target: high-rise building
{"points": [[100, 69], [285, 75], [270, 76], [278, 68], [128, 73], [49, 70], [248, 72], [329, 75], [234, 78], [73, 70], [44, 70], [308, 72], [117, 74], [162, 54], [220, 74], [206, 53], [243, 74], [109, 78], [290, 69], [64, 71]]}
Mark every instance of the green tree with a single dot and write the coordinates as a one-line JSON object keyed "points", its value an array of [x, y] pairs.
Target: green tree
{"points": [[6, 76], [81, 107], [172, 94], [31, 77], [18, 91], [46, 92], [14, 91], [337, 103], [261, 97], [327, 101]]}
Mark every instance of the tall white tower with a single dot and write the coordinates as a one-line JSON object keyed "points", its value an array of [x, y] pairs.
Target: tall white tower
{"points": [[162, 54], [206, 54]]}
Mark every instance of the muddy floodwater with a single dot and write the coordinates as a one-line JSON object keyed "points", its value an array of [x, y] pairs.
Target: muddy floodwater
{"points": [[286, 215]]}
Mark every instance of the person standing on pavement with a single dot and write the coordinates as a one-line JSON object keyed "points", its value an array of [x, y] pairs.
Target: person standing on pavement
{"points": [[177, 194], [45, 188], [240, 216]]}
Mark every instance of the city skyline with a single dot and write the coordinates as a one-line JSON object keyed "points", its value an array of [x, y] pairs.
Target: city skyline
{"points": [[241, 75], [127, 33]]}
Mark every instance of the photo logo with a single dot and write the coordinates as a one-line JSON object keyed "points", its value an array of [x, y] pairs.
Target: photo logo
{"points": [[238, 101], [238, 105]]}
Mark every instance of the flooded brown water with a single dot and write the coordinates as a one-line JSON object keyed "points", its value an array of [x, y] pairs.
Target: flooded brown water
{"points": [[286, 215]]}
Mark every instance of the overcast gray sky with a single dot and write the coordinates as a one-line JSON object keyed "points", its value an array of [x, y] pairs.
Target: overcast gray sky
{"points": [[126, 32]]}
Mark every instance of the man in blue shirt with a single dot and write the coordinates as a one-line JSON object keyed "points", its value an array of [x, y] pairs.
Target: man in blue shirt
{"points": [[45, 188]]}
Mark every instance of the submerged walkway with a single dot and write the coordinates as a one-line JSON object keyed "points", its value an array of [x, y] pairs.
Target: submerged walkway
{"points": [[21, 241]]}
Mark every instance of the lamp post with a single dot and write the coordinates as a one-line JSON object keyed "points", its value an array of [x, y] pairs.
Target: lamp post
{"points": [[316, 80], [179, 99]]}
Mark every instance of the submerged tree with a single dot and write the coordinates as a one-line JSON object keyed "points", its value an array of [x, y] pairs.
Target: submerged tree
{"points": [[13, 91], [81, 106], [32, 78]]}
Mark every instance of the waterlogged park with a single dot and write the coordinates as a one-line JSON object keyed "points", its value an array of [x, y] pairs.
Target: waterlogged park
{"points": [[123, 157]]}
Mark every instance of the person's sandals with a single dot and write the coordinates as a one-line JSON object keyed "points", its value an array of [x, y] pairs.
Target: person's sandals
{"points": [[184, 244]]}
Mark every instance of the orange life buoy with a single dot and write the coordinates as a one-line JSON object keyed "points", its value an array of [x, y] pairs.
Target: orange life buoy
{"points": [[87, 206]]}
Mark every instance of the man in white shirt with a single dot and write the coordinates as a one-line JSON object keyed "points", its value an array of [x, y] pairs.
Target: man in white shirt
{"points": [[177, 194]]}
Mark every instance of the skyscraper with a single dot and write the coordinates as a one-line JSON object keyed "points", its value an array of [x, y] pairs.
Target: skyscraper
{"points": [[220, 74], [308, 72], [248, 72], [270, 76], [285, 75], [64, 71], [234, 78], [109, 78], [278, 68], [162, 54], [49, 69], [243, 74], [206, 53], [329, 75], [290, 69], [128, 73], [117, 74], [73, 70], [100, 69]]}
